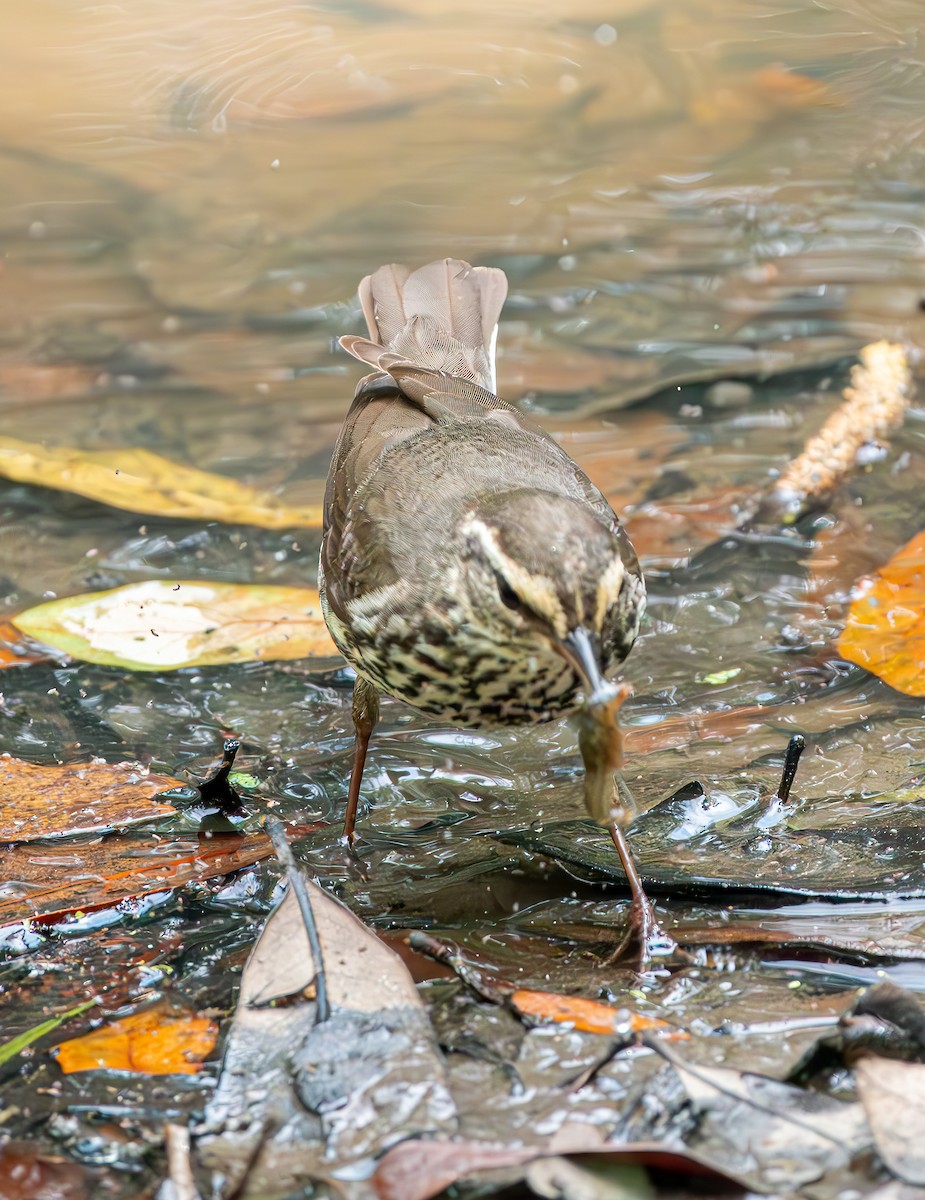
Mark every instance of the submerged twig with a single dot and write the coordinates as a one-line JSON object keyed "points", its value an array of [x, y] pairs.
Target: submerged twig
{"points": [[277, 835], [494, 993], [873, 405]]}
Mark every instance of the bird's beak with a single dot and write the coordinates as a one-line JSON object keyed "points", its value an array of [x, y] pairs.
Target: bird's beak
{"points": [[580, 648]]}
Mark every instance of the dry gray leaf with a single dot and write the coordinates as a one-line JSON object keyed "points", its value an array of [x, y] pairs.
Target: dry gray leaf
{"points": [[893, 1095]]}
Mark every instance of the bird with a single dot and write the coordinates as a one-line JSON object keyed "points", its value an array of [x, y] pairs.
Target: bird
{"points": [[468, 566]]}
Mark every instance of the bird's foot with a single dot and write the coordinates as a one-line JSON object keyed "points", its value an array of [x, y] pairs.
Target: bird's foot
{"points": [[644, 939]]}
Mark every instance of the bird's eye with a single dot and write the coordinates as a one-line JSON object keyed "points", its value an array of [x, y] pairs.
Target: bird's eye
{"points": [[509, 597]]}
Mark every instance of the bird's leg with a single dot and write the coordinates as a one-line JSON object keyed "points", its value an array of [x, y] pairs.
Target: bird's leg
{"points": [[365, 719], [644, 932]]}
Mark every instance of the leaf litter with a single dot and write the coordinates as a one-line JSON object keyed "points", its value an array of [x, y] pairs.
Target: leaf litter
{"points": [[58, 801], [157, 1041], [141, 481], [167, 625]]}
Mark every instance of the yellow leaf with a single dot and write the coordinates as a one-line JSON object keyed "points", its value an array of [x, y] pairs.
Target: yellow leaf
{"points": [[885, 630], [152, 1043], [139, 481], [161, 625]]}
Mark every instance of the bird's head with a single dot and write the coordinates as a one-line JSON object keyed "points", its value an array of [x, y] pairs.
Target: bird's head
{"points": [[544, 566]]}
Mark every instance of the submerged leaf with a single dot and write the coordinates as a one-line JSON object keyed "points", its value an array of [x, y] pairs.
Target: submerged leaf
{"points": [[160, 625], [589, 1016], [15, 651], [152, 1043], [885, 630], [140, 481], [46, 883], [89, 797], [17, 1044]]}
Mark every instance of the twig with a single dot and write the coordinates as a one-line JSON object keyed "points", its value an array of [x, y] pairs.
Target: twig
{"points": [[180, 1184], [795, 748], [277, 835], [494, 993], [216, 789]]}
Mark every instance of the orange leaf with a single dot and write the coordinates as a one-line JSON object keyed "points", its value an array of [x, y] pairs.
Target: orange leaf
{"points": [[885, 630], [88, 797], [153, 1042], [589, 1016], [45, 883], [16, 651]]}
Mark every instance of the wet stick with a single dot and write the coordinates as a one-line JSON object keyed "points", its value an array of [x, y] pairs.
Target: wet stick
{"points": [[277, 835]]}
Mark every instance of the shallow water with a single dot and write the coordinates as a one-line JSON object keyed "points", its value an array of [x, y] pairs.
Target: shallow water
{"points": [[704, 210]]}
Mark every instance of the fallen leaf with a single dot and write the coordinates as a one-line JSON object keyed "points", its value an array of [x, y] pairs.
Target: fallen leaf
{"points": [[563, 1179], [769, 1135], [724, 725], [38, 802], [153, 1042], [17, 1044], [15, 651], [885, 630], [35, 381], [332, 1092], [46, 883], [139, 481], [589, 1016], [26, 1175], [668, 532], [420, 1170], [893, 1095], [161, 625]]}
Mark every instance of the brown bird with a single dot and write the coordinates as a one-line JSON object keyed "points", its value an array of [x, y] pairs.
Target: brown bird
{"points": [[468, 566]]}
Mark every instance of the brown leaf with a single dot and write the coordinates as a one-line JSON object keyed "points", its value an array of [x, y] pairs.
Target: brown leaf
{"points": [[363, 973], [46, 883], [25, 1174], [163, 625], [420, 1170], [669, 532], [885, 630], [673, 733], [153, 1042], [601, 743], [90, 797], [893, 1095]]}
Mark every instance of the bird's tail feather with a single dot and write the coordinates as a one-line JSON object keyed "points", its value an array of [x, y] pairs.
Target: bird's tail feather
{"points": [[443, 317]]}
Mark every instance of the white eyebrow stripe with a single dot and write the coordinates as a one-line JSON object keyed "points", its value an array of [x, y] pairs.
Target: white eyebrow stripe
{"points": [[537, 591]]}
